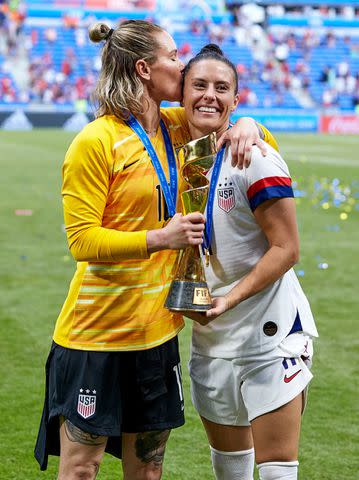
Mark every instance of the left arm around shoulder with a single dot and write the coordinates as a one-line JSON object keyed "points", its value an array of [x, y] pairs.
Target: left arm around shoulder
{"points": [[242, 136]]}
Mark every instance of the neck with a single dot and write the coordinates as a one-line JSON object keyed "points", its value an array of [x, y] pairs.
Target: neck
{"points": [[198, 132], [150, 119]]}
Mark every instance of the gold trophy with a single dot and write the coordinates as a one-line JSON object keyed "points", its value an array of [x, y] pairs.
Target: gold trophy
{"points": [[189, 290]]}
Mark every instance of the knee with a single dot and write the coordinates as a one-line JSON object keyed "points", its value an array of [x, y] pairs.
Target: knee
{"points": [[152, 471], [149, 471], [81, 471], [88, 471]]}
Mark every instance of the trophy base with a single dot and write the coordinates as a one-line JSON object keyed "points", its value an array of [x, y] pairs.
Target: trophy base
{"points": [[186, 296]]}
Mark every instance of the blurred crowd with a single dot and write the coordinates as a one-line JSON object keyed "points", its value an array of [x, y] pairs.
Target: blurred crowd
{"points": [[286, 61], [282, 61]]}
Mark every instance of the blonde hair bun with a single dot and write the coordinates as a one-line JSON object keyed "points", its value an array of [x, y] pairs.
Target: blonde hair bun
{"points": [[99, 32]]}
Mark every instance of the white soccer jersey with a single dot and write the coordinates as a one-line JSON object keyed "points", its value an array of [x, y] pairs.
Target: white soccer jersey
{"points": [[261, 322]]}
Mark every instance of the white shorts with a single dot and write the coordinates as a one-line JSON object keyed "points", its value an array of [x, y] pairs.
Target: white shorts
{"points": [[234, 391]]}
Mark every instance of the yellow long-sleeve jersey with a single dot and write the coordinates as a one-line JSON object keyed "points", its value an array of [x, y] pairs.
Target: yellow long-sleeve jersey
{"points": [[111, 198]]}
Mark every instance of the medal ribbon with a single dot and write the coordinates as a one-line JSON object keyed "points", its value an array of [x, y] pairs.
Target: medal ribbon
{"points": [[207, 238], [169, 191]]}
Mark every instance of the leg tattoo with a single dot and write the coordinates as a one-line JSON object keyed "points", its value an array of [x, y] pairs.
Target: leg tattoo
{"points": [[75, 434], [150, 446]]}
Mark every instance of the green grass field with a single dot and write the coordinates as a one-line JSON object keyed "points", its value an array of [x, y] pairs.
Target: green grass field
{"points": [[36, 268]]}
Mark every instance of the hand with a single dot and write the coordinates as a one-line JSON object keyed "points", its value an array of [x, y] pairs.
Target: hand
{"points": [[184, 230], [242, 136], [198, 317], [219, 306]]}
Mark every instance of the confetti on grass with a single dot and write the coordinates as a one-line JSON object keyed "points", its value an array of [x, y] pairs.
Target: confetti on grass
{"points": [[328, 194], [24, 212]]}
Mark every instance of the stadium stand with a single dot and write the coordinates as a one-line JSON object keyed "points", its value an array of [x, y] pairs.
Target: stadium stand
{"points": [[296, 55]]}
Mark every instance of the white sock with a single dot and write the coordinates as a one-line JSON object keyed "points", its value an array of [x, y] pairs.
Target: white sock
{"points": [[233, 465], [278, 470]]}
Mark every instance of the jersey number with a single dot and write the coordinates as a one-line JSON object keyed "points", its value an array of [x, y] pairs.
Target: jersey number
{"points": [[178, 372], [162, 209]]}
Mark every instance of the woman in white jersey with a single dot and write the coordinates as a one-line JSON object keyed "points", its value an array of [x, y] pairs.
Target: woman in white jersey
{"points": [[113, 373], [251, 351]]}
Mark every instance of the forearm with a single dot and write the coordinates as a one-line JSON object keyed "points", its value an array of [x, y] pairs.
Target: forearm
{"points": [[249, 121], [272, 266], [98, 244], [156, 240]]}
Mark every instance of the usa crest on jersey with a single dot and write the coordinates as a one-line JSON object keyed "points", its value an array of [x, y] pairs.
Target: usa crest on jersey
{"points": [[226, 198], [86, 404]]}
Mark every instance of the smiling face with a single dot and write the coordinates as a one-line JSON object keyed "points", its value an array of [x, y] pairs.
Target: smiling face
{"points": [[209, 96], [165, 72]]}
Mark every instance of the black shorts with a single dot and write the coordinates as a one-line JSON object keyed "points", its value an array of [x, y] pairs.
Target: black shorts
{"points": [[107, 393]]}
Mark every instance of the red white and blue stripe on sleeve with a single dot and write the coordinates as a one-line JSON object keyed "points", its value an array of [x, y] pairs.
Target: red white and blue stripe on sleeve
{"points": [[267, 188]]}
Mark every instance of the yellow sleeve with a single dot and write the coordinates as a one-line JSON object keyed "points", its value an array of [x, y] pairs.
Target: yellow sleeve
{"points": [[177, 115], [268, 137], [86, 176]]}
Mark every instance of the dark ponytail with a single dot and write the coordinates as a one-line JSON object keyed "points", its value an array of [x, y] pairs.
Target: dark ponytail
{"points": [[211, 48]]}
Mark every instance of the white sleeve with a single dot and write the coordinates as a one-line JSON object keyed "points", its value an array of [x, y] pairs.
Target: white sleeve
{"points": [[267, 177]]}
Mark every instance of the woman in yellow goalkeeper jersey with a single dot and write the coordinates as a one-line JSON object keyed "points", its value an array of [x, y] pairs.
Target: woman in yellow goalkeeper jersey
{"points": [[113, 378]]}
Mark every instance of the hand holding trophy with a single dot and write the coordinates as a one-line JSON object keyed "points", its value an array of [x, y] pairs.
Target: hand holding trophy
{"points": [[189, 291]]}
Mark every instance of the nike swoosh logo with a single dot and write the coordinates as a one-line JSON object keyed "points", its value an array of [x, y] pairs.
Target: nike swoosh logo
{"points": [[289, 379], [130, 164]]}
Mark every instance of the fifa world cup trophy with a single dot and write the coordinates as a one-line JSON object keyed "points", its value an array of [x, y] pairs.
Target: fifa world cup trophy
{"points": [[189, 290]]}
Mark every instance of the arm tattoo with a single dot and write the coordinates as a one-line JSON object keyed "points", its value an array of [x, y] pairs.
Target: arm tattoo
{"points": [[150, 446], [75, 434]]}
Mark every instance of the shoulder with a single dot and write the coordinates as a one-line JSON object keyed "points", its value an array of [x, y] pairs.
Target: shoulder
{"points": [[103, 129], [100, 135], [94, 144], [272, 161], [176, 121], [175, 115], [267, 177]]}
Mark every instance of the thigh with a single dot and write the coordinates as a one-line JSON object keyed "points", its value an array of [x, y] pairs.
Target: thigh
{"points": [[276, 434], [216, 390], [84, 388], [143, 454], [271, 384], [79, 450], [152, 390], [228, 438]]}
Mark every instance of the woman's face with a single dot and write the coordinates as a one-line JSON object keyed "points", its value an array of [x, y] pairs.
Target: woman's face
{"points": [[209, 96], [166, 79]]}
